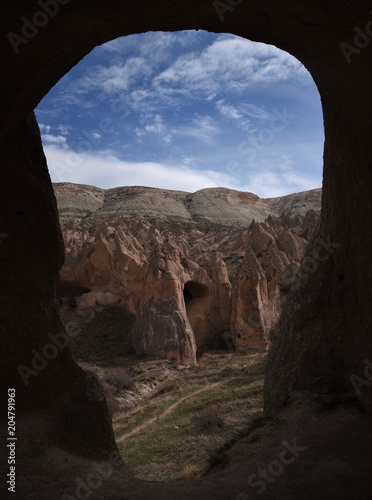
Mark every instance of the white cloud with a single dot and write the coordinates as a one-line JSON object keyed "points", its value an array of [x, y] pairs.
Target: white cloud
{"points": [[278, 180], [272, 183], [49, 138], [157, 126], [153, 43], [53, 139], [255, 112], [45, 128], [64, 129], [114, 78], [121, 77], [106, 171], [144, 73], [203, 128], [233, 113], [230, 63], [112, 46], [154, 125], [152, 94], [132, 59], [228, 110]]}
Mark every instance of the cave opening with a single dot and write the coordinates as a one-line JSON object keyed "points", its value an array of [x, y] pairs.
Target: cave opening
{"points": [[70, 289], [314, 331], [194, 290], [68, 292], [68, 163], [196, 298], [198, 303]]}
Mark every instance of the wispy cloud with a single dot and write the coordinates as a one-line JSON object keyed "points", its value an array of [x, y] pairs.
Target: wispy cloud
{"points": [[44, 128], [202, 128], [174, 107], [237, 114], [63, 128], [230, 64], [54, 136], [228, 111], [256, 112], [156, 43], [116, 77], [154, 125], [53, 139]]}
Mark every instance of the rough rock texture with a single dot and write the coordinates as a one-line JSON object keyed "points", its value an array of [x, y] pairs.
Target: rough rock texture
{"points": [[57, 403], [324, 333], [201, 270]]}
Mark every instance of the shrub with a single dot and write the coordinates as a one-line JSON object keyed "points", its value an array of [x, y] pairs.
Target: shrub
{"points": [[208, 420], [119, 378]]}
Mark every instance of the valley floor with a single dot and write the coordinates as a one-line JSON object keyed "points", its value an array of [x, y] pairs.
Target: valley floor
{"points": [[175, 422]]}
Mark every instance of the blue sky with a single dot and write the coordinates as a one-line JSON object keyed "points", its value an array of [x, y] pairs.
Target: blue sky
{"points": [[186, 111]]}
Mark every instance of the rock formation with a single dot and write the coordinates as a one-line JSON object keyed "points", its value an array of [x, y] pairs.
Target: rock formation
{"points": [[323, 337], [197, 271]]}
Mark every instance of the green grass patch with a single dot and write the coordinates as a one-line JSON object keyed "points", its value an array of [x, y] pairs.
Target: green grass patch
{"points": [[174, 447]]}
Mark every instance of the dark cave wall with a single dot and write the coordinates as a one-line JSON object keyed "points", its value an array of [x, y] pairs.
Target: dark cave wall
{"points": [[36, 358], [324, 334]]}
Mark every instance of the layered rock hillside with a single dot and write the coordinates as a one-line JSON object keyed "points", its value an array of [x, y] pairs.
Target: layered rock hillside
{"points": [[182, 272]]}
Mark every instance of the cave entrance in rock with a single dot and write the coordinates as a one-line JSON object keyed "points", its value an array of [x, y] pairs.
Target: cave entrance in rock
{"points": [[193, 293], [69, 291], [80, 150], [197, 299], [315, 33], [68, 153], [199, 306]]}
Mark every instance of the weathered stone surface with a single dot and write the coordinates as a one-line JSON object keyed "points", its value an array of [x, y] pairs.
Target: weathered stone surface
{"points": [[195, 269], [324, 333]]}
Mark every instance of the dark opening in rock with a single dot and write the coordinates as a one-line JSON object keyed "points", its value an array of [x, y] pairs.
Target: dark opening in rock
{"points": [[193, 290], [70, 289]]}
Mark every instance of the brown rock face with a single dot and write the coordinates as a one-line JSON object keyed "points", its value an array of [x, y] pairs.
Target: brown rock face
{"points": [[194, 269], [324, 334]]}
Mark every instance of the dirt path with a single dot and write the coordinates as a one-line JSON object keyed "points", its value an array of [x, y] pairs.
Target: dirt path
{"points": [[169, 410]]}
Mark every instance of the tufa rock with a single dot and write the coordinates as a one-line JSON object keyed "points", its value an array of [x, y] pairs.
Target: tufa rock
{"points": [[191, 268]]}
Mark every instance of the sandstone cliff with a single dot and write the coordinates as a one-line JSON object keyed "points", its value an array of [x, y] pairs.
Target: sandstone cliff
{"points": [[192, 271]]}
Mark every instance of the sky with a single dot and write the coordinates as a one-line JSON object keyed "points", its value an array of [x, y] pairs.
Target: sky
{"points": [[186, 111]]}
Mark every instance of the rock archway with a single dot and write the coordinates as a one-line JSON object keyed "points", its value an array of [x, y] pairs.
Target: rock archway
{"points": [[323, 338]]}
